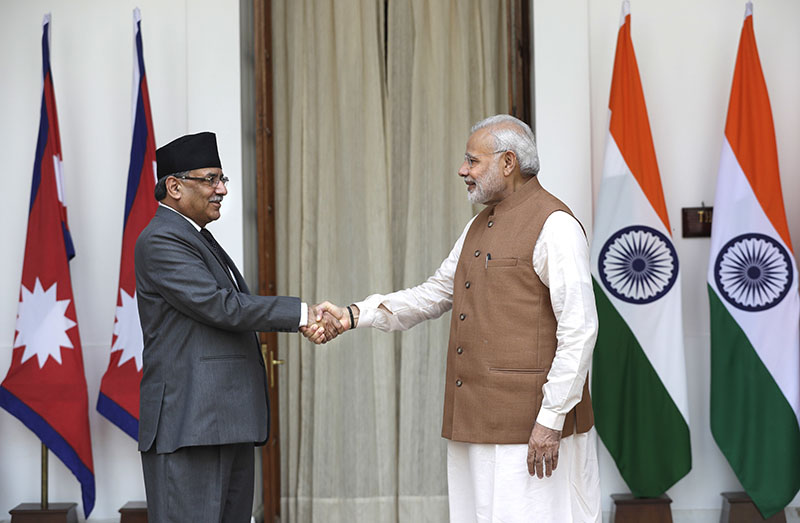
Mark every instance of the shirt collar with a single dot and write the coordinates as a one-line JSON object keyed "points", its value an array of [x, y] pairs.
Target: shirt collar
{"points": [[180, 214]]}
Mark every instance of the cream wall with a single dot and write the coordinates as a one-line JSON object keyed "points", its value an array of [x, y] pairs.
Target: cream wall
{"points": [[686, 51], [191, 50]]}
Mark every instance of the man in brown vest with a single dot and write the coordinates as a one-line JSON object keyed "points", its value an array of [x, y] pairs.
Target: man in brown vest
{"points": [[517, 411]]}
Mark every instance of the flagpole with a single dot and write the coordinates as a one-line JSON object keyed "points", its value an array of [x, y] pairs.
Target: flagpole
{"points": [[44, 476]]}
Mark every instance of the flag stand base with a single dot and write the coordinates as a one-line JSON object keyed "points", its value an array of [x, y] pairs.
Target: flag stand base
{"points": [[133, 512], [54, 513], [629, 509], [737, 507]]}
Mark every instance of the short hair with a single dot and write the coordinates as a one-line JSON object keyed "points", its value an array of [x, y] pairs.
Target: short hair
{"points": [[160, 191], [512, 134]]}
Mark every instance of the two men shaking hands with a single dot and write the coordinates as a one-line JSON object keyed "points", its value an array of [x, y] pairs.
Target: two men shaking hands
{"points": [[517, 413], [326, 321]]}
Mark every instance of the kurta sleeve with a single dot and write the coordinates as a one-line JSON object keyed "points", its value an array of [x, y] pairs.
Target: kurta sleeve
{"points": [[561, 260], [401, 310]]}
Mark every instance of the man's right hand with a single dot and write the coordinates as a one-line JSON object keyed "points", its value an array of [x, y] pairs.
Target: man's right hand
{"points": [[329, 321]]}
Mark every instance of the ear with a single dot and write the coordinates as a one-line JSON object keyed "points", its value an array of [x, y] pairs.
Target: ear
{"points": [[173, 188], [509, 162]]}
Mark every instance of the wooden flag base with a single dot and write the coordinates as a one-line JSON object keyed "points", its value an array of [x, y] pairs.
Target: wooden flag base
{"points": [[54, 513], [737, 507], [133, 512], [630, 509]]}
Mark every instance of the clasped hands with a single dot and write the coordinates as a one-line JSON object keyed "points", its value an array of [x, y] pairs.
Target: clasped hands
{"points": [[326, 321]]}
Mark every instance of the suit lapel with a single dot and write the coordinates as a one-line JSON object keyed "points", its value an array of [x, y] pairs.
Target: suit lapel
{"points": [[239, 278], [180, 221], [221, 261]]}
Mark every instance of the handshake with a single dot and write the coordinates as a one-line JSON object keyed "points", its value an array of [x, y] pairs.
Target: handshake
{"points": [[326, 321]]}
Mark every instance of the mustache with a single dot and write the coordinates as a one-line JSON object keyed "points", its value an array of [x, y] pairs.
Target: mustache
{"points": [[216, 198]]}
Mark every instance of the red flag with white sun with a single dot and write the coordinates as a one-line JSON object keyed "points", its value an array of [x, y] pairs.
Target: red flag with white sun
{"points": [[119, 390], [45, 387]]}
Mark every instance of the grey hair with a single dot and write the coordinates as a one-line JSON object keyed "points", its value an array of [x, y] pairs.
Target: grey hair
{"points": [[512, 134], [160, 191]]}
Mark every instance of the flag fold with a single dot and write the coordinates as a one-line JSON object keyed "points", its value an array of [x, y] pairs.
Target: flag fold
{"points": [[45, 387], [119, 389], [753, 297], [639, 390]]}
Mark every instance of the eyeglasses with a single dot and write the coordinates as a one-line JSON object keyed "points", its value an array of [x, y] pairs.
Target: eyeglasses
{"points": [[471, 159], [212, 179]]}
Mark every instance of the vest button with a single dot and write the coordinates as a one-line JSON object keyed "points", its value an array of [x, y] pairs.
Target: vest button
{"points": [[490, 224], [462, 317], [467, 285], [458, 383], [477, 253], [459, 350]]}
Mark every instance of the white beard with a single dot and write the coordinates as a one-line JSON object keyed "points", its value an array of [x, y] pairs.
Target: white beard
{"points": [[486, 188]]}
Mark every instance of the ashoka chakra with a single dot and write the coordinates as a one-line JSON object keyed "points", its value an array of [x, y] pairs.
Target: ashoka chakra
{"points": [[753, 272], [638, 264]]}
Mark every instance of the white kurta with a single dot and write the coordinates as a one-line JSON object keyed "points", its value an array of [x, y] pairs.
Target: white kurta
{"points": [[490, 483]]}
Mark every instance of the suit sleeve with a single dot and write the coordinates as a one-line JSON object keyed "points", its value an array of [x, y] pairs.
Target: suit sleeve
{"points": [[172, 268]]}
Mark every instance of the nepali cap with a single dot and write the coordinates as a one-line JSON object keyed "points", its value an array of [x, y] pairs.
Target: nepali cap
{"points": [[189, 152]]}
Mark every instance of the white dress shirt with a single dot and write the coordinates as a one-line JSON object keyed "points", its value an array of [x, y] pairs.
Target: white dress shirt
{"points": [[561, 260]]}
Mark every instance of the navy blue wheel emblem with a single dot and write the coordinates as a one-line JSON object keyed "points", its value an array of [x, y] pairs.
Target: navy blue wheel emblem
{"points": [[638, 264], [753, 272]]}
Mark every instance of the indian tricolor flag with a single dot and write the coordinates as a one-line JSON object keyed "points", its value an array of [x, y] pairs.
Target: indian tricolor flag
{"points": [[638, 371], [752, 288]]}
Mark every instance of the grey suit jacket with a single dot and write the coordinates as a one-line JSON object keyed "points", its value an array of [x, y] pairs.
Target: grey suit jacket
{"points": [[203, 377]]}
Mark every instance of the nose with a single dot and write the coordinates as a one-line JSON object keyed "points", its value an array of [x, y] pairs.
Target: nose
{"points": [[221, 189], [463, 171]]}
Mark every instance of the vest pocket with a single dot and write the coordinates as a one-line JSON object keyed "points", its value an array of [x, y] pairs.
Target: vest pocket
{"points": [[517, 371], [501, 262]]}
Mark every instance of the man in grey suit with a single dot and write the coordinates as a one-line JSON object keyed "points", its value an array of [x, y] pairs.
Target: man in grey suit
{"points": [[203, 395]]}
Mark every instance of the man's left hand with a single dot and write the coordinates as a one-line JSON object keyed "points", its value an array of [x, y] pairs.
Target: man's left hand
{"points": [[543, 447]]}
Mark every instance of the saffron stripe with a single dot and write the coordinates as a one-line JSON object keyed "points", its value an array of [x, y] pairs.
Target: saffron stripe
{"points": [[751, 133], [629, 124]]}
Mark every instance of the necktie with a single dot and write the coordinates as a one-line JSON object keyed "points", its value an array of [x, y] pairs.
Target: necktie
{"points": [[214, 245], [219, 252], [217, 248]]}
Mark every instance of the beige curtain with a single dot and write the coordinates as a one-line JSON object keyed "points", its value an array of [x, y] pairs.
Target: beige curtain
{"points": [[372, 111]]}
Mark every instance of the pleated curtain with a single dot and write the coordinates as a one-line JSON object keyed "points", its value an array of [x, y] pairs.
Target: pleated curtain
{"points": [[372, 107]]}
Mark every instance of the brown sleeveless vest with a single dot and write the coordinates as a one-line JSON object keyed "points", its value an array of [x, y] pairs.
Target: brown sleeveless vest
{"points": [[503, 330]]}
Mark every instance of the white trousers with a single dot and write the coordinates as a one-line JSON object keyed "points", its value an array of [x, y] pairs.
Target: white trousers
{"points": [[490, 484]]}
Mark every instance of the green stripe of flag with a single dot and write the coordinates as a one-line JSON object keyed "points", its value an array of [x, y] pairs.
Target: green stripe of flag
{"points": [[751, 420], [634, 414]]}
